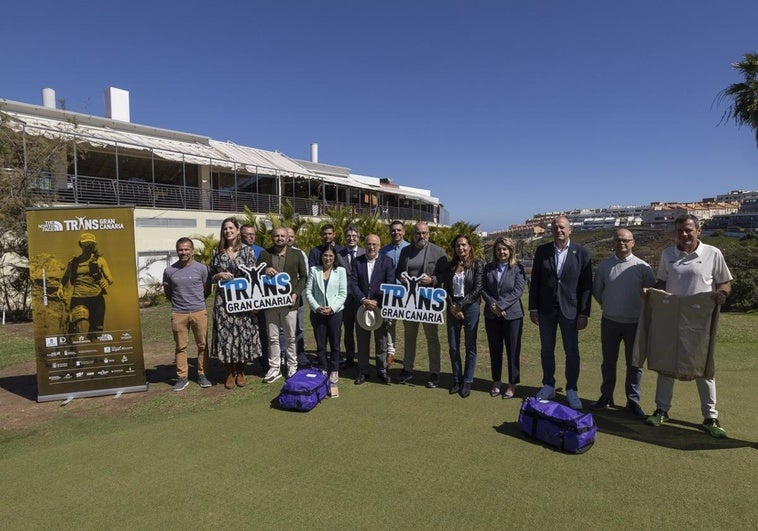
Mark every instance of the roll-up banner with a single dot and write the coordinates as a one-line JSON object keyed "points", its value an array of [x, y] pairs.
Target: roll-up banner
{"points": [[85, 304]]}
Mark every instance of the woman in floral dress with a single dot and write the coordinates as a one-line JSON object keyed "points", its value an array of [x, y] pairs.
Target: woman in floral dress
{"points": [[235, 335]]}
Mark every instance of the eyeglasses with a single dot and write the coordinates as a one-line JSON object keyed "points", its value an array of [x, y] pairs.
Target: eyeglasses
{"points": [[621, 240]]}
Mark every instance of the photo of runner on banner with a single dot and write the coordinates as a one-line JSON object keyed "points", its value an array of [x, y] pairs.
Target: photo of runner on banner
{"points": [[256, 291], [414, 302]]}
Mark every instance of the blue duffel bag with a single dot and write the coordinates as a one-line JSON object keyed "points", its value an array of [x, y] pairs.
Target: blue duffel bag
{"points": [[304, 390], [557, 425]]}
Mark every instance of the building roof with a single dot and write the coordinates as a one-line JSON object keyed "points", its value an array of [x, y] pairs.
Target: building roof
{"points": [[185, 147]]}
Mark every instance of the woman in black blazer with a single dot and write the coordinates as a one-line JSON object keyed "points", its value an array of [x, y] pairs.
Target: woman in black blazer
{"points": [[464, 288], [504, 283]]}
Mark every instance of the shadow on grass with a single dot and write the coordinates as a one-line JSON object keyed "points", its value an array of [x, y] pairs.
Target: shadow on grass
{"points": [[23, 385], [676, 434]]}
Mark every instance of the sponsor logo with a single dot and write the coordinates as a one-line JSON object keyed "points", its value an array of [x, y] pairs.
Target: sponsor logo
{"points": [[130, 370], [51, 341], [124, 359], [107, 360], [79, 374], [54, 378], [90, 373], [126, 335], [256, 291], [54, 354], [69, 353], [117, 371], [105, 337], [118, 349], [80, 223], [102, 372], [106, 350], [81, 339], [67, 376], [413, 302], [50, 226], [79, 363], [59, 365]]}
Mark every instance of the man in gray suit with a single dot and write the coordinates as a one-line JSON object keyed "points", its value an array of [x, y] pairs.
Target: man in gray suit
{"points": [[560, 295], [429, 263], [345, 257]]}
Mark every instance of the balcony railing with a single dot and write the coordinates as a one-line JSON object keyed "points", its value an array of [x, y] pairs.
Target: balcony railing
{"points": [[85, 190]]}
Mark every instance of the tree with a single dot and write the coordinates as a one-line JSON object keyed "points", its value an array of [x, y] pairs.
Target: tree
{"points": [[27, 168], [743, 96]]}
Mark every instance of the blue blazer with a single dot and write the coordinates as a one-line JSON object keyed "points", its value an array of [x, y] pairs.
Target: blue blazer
{"points": [[572, 293], [384, 273], [333, 295], [506, 293]]}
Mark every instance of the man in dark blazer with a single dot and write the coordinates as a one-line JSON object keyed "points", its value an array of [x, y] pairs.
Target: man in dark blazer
{"points": [[345, 257], [560, 295], [327, 240], [368, 273], [427, 261]]}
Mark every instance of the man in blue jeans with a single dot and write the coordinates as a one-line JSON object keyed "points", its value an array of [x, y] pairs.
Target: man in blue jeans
{"points": [[560, 295]]}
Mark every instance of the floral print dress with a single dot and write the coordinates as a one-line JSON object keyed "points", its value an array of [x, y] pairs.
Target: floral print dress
{"points": [[235, 335]]}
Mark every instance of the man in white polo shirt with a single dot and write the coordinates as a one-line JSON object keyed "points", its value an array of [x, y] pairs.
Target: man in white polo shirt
{"points": [[691, 267]]}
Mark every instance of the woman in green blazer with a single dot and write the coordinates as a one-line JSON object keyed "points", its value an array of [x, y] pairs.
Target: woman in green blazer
{"points": [[326, 290]]}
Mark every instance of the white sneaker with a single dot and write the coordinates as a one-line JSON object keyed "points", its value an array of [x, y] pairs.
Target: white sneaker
{"points": [[573, 399], [546, 393], [291, 372], [272, 375], [334, 377]]}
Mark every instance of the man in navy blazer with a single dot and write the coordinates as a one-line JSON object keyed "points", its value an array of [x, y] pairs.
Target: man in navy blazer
{"points": [[365, 288], [560, 295], [345, 257]]}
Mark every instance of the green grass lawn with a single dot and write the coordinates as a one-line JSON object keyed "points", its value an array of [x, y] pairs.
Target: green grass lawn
{"points": [[381, 456]]}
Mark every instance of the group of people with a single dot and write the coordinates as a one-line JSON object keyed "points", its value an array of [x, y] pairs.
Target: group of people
{"points": [[342, 287]]}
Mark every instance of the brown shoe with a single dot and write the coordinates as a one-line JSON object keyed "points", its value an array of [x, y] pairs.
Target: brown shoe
{"points": [[229, 383], [240, 379]]}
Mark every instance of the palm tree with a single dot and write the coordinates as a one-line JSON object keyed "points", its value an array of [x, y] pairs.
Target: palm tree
{"points": [[743, 97]]}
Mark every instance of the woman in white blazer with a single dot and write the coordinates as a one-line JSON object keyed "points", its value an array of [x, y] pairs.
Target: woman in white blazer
{"points": [[326, 290]]}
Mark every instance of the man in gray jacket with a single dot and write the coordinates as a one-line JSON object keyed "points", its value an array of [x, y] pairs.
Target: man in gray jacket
{"points": [[427, 262], [619, 281]]}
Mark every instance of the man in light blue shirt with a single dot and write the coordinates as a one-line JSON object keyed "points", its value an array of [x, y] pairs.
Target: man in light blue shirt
{"points": [[392, 249]]}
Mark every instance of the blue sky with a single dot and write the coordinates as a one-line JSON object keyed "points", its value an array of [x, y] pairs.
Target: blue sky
{"points": [[501, 108]]}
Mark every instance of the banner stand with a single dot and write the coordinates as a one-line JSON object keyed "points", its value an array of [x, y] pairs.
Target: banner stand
{"points": [[67, 397]]}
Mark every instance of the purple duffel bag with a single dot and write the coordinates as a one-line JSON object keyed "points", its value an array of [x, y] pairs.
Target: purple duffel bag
{"points": [[557, 425], [304, 390]]}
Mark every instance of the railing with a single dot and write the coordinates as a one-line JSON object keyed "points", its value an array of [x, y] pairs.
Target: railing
{"points": [[102, 191]]}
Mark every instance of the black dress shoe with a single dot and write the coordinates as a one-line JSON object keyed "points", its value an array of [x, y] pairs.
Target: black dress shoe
{"points": [[602, 403], [384, 377], [361, 378], [465, 389], [434, 381], [405, 376], [636, 410], [455, 388]]}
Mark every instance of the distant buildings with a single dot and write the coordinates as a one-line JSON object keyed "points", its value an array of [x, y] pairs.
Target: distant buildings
{"points": [[735, 211]]}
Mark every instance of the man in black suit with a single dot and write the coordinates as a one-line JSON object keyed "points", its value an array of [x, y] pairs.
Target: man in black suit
{"points": [[327, 240], [345, 257], [369, 272], [560, 295]]}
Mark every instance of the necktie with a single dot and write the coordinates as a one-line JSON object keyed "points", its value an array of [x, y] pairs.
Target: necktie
{"points": [[351, 254]]}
